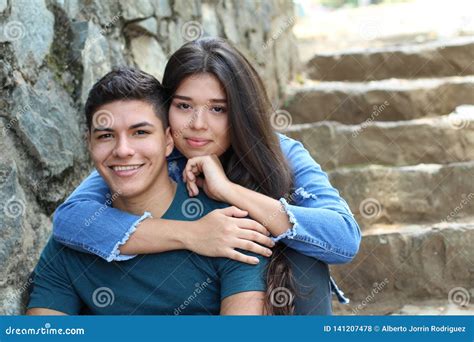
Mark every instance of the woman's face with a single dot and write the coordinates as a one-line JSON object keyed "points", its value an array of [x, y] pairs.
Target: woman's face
{"points": [[198, 117]]}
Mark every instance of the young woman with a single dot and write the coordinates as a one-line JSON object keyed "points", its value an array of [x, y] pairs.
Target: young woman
{"points": [[219, 116]]}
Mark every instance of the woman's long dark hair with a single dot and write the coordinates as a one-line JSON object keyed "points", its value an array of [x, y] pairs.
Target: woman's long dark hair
{"points": [[255, 159]]}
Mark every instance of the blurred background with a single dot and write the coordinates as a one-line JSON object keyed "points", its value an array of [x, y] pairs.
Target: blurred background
{"points": [[384, 101], [380, 92]]}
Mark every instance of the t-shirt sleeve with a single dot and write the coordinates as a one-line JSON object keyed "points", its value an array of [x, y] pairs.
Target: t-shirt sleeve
{"points": [[238, 277], [51, 287]]}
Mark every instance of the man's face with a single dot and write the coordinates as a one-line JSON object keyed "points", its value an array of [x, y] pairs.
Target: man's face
{"points": [[129, 146]]}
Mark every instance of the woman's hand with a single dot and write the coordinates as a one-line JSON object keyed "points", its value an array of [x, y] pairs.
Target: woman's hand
{"points": [[222, 230], [215, 183]]}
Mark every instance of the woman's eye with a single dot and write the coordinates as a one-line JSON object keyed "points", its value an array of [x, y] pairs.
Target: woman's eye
{"points": [[219, 109], [183, 106]]}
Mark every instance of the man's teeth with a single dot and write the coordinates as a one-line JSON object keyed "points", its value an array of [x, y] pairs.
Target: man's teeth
{"points": [[126, 168]]}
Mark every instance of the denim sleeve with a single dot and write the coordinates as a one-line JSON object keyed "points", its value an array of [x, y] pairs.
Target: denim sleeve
{"points": [[88, 223], [323, 225]]}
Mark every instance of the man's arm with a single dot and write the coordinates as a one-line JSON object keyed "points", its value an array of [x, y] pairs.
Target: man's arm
{"points": [[52, 291], [243, 303], [44, 312]]}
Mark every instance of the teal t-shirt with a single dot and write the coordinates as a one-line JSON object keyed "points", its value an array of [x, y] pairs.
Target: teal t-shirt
{"points": [[168, 283]]}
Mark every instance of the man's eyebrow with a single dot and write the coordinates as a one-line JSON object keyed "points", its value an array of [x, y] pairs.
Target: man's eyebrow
{"points": [[100, 129], [141, 124], [181, 97]]}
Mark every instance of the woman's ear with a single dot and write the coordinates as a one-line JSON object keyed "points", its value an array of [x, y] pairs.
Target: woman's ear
{"points": [[169, 141]]}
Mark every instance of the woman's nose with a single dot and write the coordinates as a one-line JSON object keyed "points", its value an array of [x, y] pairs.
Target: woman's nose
{"points": [[199, 120]]}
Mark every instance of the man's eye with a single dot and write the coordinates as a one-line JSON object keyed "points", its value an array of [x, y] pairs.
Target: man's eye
{"points": [[141, 132], [104, 136]]}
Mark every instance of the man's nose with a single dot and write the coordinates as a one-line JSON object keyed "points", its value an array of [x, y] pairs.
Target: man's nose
{"points": [[123, 148]]}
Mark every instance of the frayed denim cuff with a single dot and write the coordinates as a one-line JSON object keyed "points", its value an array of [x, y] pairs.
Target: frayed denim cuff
{"points": [[291, 232], [338, 292], [115, 254]]}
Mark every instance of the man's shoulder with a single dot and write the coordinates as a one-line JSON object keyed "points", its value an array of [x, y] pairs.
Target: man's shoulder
{"points": [[55, 253], [191, 208], [210, 203]]}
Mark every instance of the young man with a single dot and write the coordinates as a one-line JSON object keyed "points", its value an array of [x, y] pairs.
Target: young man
{"points": [[129, 140]]}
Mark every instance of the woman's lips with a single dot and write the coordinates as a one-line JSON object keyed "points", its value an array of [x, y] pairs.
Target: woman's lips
{"points": [[197, 142]]}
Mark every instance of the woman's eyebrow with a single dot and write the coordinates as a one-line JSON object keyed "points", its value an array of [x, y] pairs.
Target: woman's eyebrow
{"points": [[181, 97], [218, 100], [187, 98]]}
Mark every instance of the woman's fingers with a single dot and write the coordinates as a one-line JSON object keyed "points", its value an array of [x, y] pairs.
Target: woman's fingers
{"points": [[253, 225], [234, 212], [199, 182], [254, 236], [237, 256], [253, 247], [193, 168], [191, 186]]}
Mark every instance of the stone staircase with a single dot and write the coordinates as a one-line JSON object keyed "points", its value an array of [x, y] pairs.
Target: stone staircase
{"points": [[394, 129]]}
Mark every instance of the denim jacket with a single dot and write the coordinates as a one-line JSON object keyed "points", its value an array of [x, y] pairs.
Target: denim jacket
{"points": [[323, 225]]}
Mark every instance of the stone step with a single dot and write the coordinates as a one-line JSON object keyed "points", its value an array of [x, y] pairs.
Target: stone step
{"points": [[440, 140], [413, 307], [434, 59], [386, 100], [406, 262], [420, 193]]}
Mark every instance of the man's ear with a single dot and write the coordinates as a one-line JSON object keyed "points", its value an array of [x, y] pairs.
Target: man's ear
{"points": [[87, 139], [169, 141]]}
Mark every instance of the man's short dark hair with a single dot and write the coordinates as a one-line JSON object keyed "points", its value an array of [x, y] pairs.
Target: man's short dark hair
{"points": [[126, 83]]}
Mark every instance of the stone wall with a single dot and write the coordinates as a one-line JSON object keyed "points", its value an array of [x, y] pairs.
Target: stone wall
{"points": [[51, 52]]}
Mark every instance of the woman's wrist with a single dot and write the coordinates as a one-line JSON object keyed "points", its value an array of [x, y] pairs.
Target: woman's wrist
{"points": [[235, 195], [156, 235]]}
